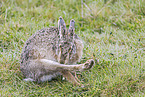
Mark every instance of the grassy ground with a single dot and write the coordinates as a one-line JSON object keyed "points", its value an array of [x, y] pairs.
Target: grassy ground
{"points": [[112, 31]]}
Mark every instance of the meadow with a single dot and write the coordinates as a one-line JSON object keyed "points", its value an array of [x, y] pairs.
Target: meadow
{"points": [[113, 31]]}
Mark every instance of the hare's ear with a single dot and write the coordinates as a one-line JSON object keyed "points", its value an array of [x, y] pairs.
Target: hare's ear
{"points": [[72, 28], [61, 27]]}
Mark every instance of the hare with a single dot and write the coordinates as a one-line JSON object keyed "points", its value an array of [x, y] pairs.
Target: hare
{"points": [[51, 52]]}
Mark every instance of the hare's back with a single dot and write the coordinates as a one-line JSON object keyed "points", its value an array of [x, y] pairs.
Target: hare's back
{"points": [[44, 37], [40, 45]]}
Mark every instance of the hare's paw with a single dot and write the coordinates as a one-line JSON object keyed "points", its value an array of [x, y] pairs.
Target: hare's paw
{"points": [[88, 64]]}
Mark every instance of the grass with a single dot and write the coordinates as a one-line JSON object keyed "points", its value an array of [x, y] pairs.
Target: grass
{"points": [[112, 32]]}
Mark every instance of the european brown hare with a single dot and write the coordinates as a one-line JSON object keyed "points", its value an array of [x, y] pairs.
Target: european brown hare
{"points": [[51, 52]]}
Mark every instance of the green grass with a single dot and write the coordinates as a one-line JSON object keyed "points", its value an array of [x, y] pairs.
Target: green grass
{"points": [[112, 32]]}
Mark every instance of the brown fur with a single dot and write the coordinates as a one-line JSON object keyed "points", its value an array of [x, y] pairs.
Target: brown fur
{"points": [[51, 51]]}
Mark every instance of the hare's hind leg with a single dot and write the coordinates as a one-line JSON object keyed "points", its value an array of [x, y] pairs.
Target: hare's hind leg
{"points": [[70, 77], [52, 65], [66, 69]]}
